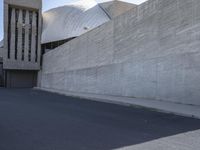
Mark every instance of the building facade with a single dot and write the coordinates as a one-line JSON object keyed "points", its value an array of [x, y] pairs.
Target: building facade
{"points": [[150, 51], [22, 42], [29, 33]]}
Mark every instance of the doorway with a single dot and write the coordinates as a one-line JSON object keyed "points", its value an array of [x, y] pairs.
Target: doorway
{"points": [[1, 74], [21, 79]]}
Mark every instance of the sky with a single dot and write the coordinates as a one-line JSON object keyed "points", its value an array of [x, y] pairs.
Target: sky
{"points": [[48, 4]]}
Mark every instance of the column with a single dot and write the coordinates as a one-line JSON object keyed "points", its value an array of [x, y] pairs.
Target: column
{"points": [[39, 38], [19, 47], [12, 37], [26, 46], [33, 40], [6, 16]]}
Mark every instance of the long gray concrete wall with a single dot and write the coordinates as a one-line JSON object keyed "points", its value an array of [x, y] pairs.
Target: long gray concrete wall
{"points": [[152, 51]]}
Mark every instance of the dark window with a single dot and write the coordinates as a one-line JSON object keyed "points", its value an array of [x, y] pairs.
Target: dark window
{"points": [[16, 31], [30, 34], [23, 32], [9, 29], [53, 45], [36, 43], [1, 74]]}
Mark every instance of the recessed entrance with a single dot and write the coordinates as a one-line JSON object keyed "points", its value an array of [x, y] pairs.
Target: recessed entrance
{"points": [[1, 74], [21, 79]]}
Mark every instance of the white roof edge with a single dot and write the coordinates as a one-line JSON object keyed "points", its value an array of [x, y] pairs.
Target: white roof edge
{"points": [[125, 1], [89, 4]]}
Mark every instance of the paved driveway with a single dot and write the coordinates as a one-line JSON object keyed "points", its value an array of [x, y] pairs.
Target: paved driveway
{"points": [[35, 120]]}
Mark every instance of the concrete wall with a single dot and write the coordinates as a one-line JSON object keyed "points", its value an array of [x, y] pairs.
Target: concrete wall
{"points": [[21, 61], [37, 4], [151, 52]]}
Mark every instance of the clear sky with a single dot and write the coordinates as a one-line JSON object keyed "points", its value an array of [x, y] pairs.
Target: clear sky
{"points": [[48, 4]]}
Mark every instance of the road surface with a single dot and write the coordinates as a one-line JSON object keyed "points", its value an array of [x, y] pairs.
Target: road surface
{"points": [[36, 120]]}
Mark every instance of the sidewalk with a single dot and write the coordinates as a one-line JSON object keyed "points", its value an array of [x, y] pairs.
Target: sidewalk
{"points": [[185, 141], [169, 107]]}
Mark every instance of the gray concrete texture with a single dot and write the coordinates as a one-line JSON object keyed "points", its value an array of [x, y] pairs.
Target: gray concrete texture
{"points": [[37, 4], [18, 63], [152, 51]]}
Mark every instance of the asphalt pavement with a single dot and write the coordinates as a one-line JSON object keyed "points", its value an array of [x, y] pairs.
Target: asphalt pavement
{"points": [[36, 120]]}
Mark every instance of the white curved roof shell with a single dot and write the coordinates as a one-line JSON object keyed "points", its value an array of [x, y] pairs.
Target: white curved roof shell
{"points": [[115, 8], [72, 20]]}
